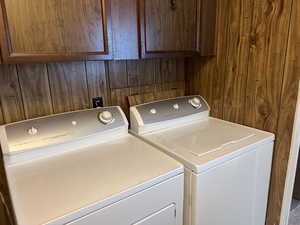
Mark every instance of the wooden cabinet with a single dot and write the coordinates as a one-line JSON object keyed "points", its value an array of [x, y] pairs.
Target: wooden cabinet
{"points": [[49, 30], [60, 30], [177, 27]]}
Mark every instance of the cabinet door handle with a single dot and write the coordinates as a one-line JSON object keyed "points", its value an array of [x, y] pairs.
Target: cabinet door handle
{"points": [[173, 4]]}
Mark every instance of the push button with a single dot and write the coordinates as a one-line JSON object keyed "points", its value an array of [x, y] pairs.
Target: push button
{"points": [[153, 111], [176, 106]]}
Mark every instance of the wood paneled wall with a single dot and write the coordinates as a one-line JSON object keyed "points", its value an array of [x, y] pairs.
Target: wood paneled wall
{"points": [[254, 78], [33, 90]]}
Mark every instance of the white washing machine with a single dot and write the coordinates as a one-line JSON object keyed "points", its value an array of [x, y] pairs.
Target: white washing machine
{"points": [[83, 168], [227, 166]]}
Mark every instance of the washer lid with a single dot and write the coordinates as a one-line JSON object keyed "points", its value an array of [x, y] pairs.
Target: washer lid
{"points": [[201, 144]]}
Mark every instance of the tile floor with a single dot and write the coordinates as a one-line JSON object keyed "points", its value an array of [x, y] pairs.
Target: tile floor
{"points": [[295, 213]]}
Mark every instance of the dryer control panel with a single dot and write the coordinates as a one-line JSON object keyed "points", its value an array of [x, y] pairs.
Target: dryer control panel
{"points": [[65, 127], [171, 109]]}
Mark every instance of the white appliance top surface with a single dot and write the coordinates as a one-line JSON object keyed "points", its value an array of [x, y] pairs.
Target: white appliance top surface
{"points": [[45, 189], [202, 142]]}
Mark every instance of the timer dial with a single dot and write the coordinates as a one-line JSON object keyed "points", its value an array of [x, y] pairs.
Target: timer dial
{"points": [[106, 117], [195, 102]]}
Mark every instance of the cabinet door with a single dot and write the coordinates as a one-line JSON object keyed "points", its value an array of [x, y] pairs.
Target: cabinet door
{"points": [[173, 27], [45, 30]]}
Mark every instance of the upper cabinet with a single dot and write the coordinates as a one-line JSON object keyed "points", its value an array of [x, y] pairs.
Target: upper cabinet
{"points": [[177, 27], [47, 30], [57, 30]]}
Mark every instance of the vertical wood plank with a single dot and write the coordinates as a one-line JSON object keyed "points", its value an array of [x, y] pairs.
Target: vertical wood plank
{"points": [[206, 76], [68, 86], [10, 95], [97, 81], [142, 89], [170, 86], [3, 217], [239, 29], [119, 97], [142, 72], [286, 118], [35, 90], [288, 99], [118, 74], [266, 62], [172, 70], [207, 36], [125, 29], [1, 115]]}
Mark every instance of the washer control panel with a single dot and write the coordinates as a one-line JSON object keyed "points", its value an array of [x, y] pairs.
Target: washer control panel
{"points": [[63, 127], [171, 109]]}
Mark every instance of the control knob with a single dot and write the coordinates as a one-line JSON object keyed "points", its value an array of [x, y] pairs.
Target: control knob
{"points": [[106, 117], [195, 102]]}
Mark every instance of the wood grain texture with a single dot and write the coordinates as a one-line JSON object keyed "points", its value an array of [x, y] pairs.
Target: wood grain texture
{"points": [[149, 97], [35, 90], [138, 99], [3, 217], [10, 95], [40, 89], [82, 22], [118, 74], [39, 31], [208, 27], [119, 97], [179, 85], [143, 89], [97, 81], [1, 115], [162, 24], [68, 86], [206, 76], [172, 70], [239, 29], [269, 40], [142, 72], [286, 118], [185, 28], [29, 34], [124, 26], [251, 81]]}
